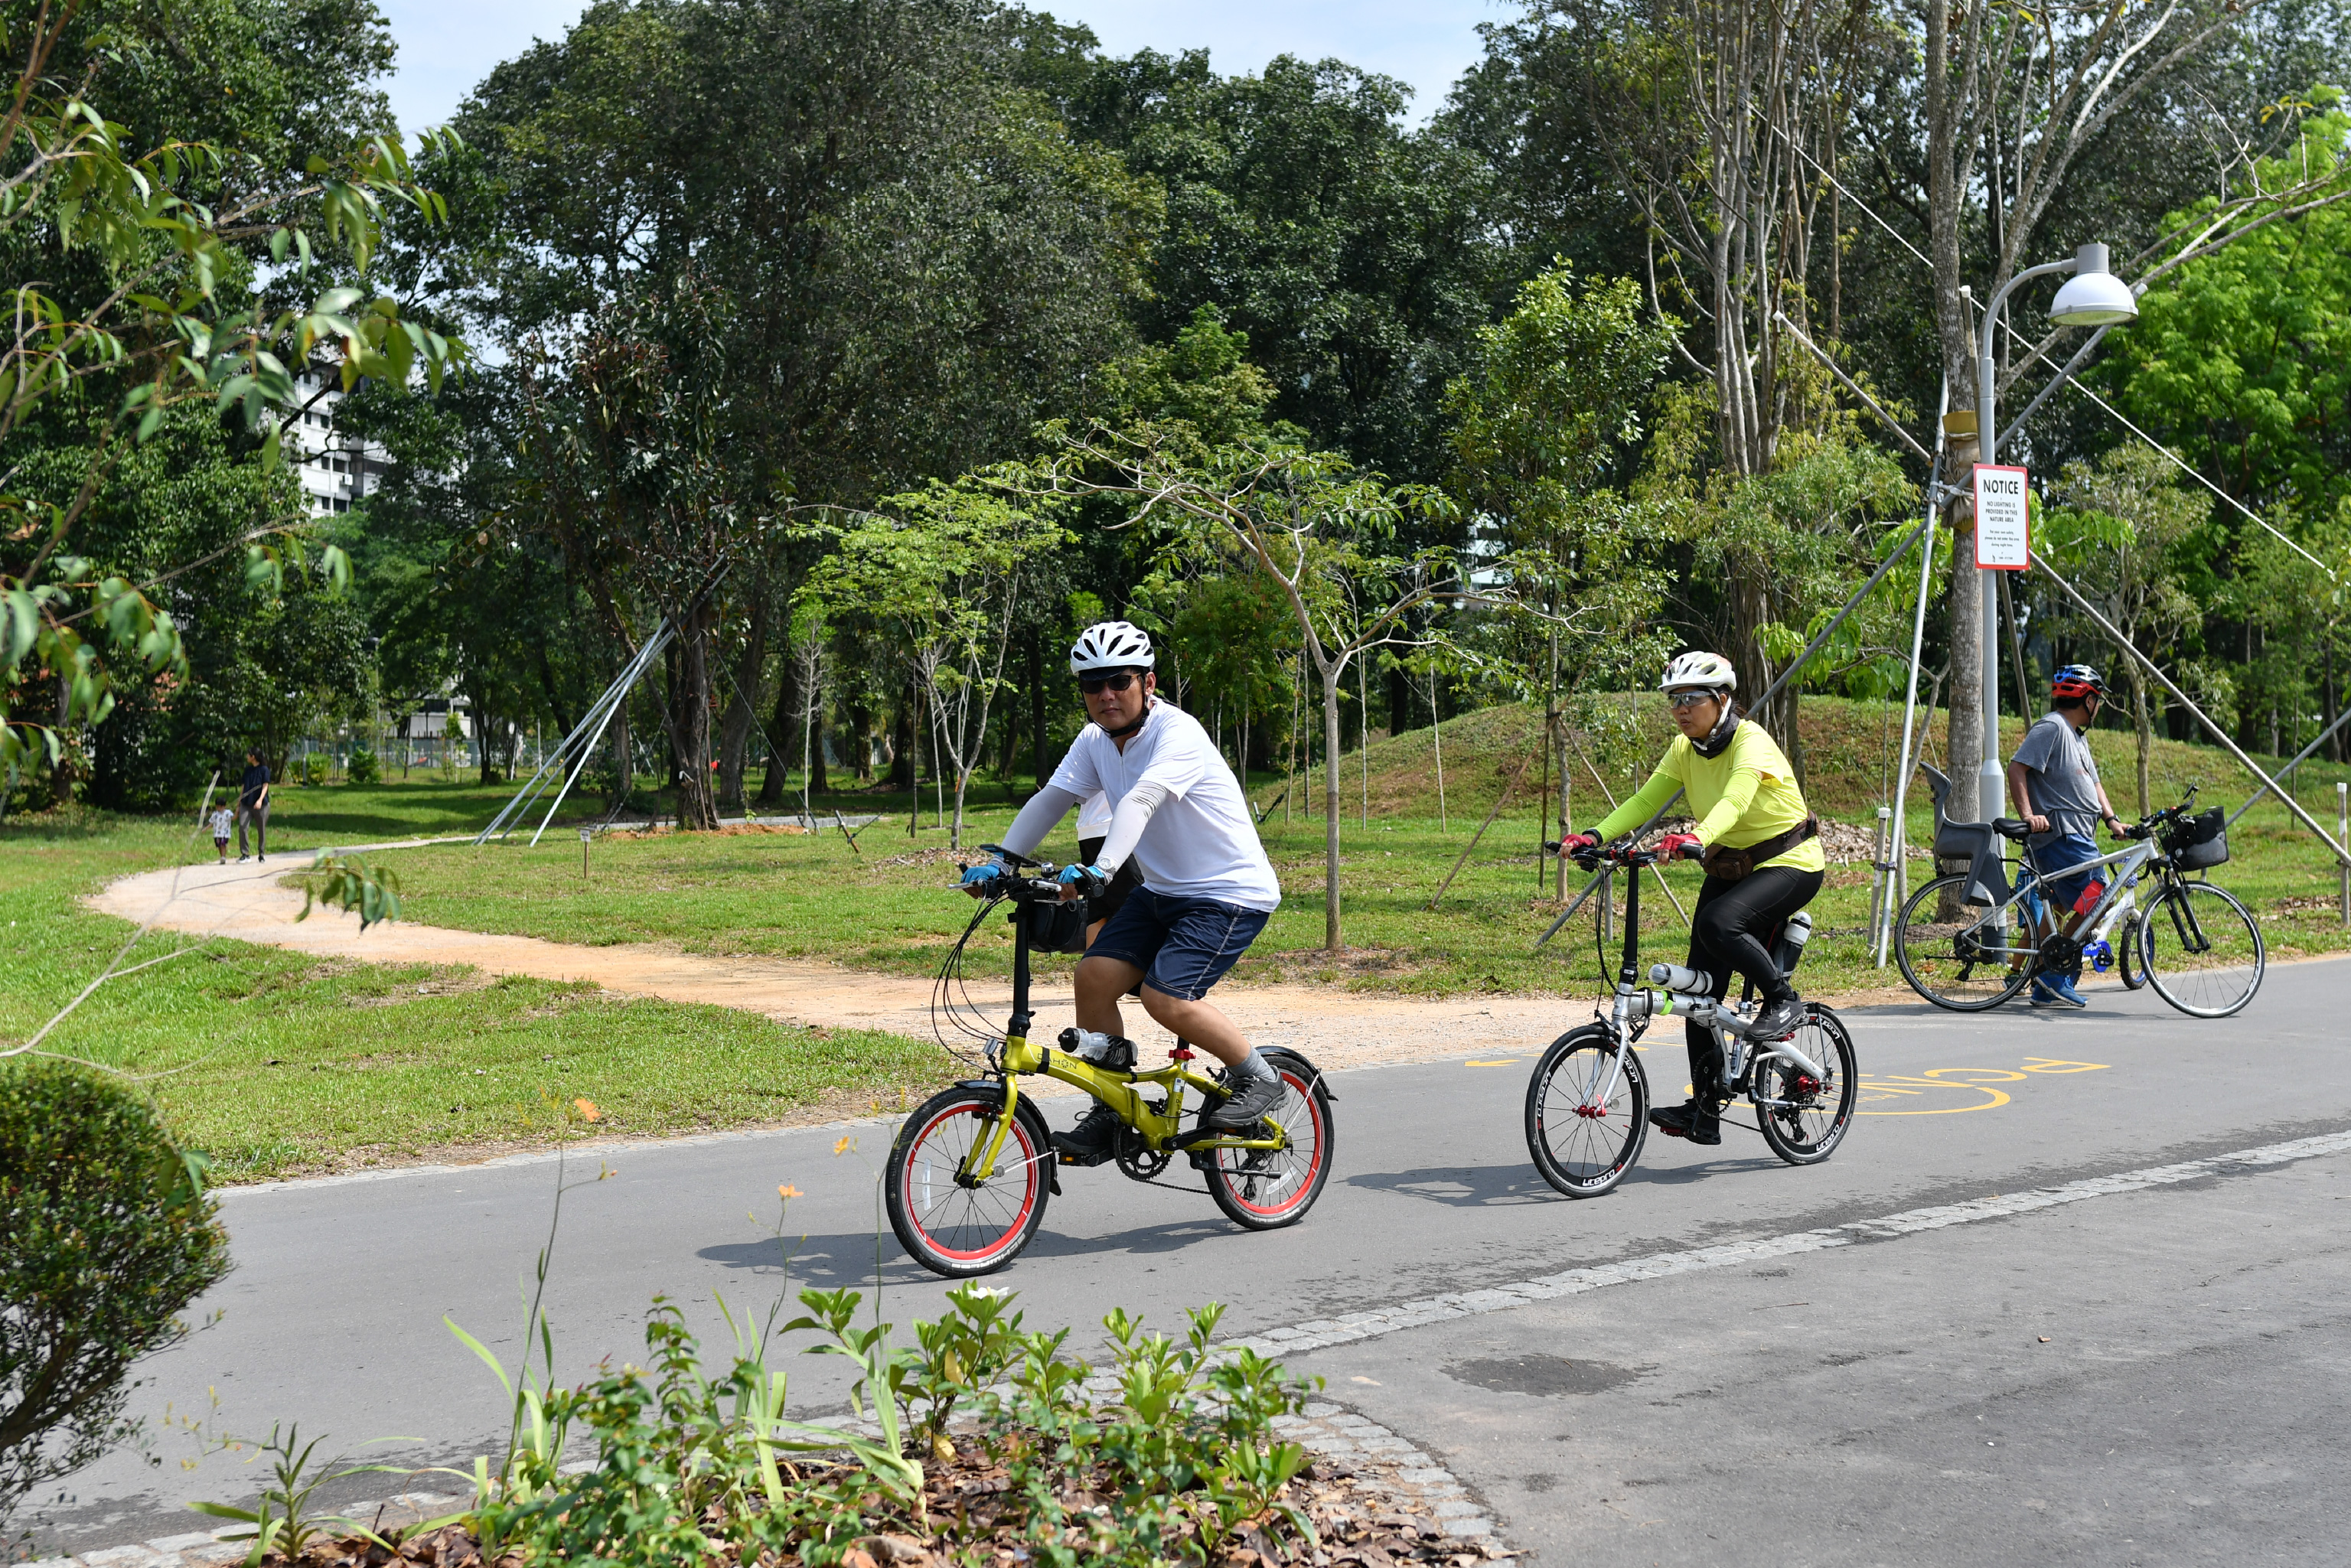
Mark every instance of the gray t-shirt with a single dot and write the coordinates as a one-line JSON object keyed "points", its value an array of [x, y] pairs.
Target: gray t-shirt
{"points": [[2064, 778]]}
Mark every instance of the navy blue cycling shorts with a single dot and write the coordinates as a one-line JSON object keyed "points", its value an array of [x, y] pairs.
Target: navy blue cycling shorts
{"points": [[1183, 946]]}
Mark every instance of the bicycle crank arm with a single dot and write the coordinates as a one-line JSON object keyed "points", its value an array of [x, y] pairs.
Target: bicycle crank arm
{"points": [[1201, 1138]]}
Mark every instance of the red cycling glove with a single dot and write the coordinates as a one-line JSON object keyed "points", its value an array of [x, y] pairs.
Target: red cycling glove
{"points": [[1574, 841], [1671, 846]]}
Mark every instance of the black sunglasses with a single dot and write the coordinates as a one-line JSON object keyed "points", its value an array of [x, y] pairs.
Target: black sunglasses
{"points": [[1094, 686]]}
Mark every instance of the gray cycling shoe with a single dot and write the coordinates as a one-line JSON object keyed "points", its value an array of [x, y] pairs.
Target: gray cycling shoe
{"points": [[1249, 1103], [1779, 1019]]}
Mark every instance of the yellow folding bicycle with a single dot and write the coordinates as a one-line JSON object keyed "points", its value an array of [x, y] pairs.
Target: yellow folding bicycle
{"points": [[971, 1169]]}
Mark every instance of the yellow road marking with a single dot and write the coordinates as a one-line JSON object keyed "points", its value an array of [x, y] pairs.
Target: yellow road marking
{"points": [[1506, 1061]]}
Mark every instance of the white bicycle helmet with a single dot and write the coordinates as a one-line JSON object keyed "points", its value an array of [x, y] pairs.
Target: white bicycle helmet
{"points": [[1710, 671], [1111, 645]]}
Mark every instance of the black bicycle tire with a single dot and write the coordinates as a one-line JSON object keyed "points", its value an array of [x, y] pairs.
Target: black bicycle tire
{"points": [[2126, 952], [1305, 1083], [1023, 1144], [2018, 979], [2147, 927], [1848, 1068], [1600, 1035]]}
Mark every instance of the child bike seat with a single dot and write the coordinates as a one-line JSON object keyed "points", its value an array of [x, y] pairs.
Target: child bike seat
{"points": [[1977, 843]]}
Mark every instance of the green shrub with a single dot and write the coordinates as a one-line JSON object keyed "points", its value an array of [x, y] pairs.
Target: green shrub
{"points": [[310, 770], [362, 769], [109, 1235], [989, 1448]]}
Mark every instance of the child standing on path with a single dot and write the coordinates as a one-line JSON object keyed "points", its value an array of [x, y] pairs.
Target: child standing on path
{"points": [[220, 820]]}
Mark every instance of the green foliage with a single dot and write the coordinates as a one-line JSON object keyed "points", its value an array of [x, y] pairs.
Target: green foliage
{"points": [[283, 1522], [1548, 410], [348, 883], [1202, 379], [1555, 398], [686, 1459], [363, 767], [110, 1237], [2243, 359], [136, 250], [1353, 253]]}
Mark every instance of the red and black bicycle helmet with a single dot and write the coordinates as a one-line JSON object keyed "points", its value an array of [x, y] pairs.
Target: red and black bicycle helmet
{"points": [[2077, 681]]}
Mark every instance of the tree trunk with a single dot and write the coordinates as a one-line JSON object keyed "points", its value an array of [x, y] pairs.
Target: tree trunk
{"points": [[790, 728], [2143, 722], [1945, 197], [1331, 675], [1965, 751], [735, 741], [1037, 714], [625, 765], [912, 759], [698, 812]]}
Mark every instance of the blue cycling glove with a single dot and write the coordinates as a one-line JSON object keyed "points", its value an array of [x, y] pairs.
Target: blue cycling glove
{"points": [[977, 877], [1089, 880]]}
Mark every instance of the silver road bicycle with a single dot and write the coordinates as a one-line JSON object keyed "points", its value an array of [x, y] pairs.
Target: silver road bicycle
{"points": [[1588, 1102], [1971, 941]]}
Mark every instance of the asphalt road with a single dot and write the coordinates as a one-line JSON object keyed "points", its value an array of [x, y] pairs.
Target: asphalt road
{"points": [[333, 1318]]}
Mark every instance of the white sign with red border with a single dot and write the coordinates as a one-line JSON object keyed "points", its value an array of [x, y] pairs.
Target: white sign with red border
{"points": [[2003, 519]]}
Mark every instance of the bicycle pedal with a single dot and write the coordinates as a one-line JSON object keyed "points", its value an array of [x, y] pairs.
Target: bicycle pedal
{"points": [[1083, 1161]]}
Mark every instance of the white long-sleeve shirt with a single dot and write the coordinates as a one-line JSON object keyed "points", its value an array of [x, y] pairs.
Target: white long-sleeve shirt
{"points": [[1177, 810]]}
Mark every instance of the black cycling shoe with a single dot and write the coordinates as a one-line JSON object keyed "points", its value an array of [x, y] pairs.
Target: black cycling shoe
{"points": [[1689, 1120], [1249, 1100], [1092, 1140], [1778, 1019]]}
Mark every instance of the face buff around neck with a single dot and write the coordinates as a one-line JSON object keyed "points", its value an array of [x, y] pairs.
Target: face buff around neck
{"points": [[1717, 740]]}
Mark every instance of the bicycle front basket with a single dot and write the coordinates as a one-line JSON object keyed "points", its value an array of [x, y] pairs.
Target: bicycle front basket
{"points": [[2199, 842]]}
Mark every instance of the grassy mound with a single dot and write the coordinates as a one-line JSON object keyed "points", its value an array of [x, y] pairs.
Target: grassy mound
{"points": [[1850, 751]]}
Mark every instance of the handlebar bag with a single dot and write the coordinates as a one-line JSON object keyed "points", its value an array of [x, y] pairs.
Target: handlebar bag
{"points": [[1056, 928], [2200, 841]]}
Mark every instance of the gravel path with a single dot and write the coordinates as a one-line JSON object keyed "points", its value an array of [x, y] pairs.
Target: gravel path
{"points": [[1334, 1028]]}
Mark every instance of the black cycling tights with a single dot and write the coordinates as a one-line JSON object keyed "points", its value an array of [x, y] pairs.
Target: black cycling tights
{"points": [[1727, 933]]}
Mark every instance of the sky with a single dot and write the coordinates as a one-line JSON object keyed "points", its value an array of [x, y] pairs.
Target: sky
{"points": [[448, 45]]}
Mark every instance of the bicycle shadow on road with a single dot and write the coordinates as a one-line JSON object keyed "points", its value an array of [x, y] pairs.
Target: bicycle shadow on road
{"points": [[827, 1262], [1504, 1186]]}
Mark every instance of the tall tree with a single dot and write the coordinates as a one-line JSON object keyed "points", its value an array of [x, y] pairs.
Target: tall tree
{"points": [[911, 259]]}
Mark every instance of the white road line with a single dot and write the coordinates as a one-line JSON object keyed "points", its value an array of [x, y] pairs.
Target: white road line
{"points": [[1321, 1332]]}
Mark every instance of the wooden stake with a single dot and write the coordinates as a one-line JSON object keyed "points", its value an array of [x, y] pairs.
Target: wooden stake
{"points": [[1500, 802]]}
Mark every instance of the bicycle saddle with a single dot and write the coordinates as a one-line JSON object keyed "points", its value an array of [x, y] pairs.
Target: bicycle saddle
{"points": [[2011, 827]]}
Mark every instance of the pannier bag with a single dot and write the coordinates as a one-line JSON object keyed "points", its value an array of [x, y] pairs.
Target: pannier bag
{"points": [[2199, 842]]}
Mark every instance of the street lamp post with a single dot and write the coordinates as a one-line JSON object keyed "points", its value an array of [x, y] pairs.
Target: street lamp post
{"points": [[2093, 297]]}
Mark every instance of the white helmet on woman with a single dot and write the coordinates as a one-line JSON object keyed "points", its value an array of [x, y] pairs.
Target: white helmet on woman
{"points": [[1708, 671], [1111, 645]]}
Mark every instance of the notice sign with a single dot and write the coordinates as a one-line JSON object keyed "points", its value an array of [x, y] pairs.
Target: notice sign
{"points": [[2003, 535]]}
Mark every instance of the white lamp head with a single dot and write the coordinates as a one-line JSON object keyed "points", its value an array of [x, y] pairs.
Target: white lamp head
{"points": [[2093, 297]]}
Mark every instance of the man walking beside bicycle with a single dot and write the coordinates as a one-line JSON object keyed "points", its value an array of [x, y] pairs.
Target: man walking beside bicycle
{"points": [[2054, 781], [1207, 888], [1763, 862]]}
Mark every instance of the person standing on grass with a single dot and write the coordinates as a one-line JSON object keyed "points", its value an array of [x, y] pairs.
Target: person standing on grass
{"points": [[252, 807], [2054, 781]]}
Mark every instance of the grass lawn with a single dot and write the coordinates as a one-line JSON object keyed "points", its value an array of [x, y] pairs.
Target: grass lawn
{"points": [[277, 1063], [889, 904]]}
